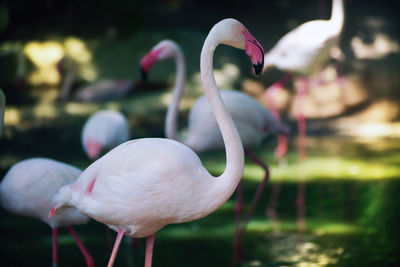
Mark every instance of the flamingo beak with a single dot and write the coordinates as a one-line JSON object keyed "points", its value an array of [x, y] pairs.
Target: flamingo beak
{"points": [[254, 50], [93, 149], [147, 62]]}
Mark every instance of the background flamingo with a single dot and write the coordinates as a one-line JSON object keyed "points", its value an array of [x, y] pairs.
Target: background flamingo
{"points": [[102, 90], [252, 120], [103, 131], [28, 189], [2, 109], [145, 184], [303, 51]]}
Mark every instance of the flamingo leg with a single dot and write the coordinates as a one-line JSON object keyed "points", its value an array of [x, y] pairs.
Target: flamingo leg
{"points": [[238, 252], [240, 229], [149, 250], [120, 235], [302, 146], [55, 246], [340, 77], [282, 147], [273, 201], [260, 188], [88, 258]]}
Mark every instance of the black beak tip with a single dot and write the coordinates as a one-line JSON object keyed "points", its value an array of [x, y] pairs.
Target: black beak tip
{"points": [[143, 75], [258, 68]]}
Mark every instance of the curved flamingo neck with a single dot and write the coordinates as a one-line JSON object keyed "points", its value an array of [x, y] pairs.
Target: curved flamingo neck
{"points": [[171, 127], [226, 184], [2, 109], [337, 15]]}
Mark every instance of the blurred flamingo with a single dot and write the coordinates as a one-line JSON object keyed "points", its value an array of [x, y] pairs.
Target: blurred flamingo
{"points": [[103, 131], [2, 109], [252, 120], [28, 188], [303, 51], [100, 91], [145, 184]]}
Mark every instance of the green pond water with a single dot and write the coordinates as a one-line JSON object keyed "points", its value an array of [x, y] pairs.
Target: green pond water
{"points": [[352, 215]]}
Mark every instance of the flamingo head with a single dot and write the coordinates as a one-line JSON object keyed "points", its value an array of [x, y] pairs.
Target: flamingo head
{"points": [[60, 200], [163, 50], [254, 50], [233, 33], [93, 148]]}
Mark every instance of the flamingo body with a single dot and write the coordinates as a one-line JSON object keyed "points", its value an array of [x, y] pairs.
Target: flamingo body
{"points": [[29, 186], [105, 90], [252, 120], [307, 47], [28, 189], [158, 194], [104, 130]]}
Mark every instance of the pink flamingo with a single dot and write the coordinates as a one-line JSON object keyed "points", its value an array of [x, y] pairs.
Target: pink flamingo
{"points": [[100, 91], [28, 189], [2, 109], [252, 120], [303, 51], [103, 131], [144, 184], [104, 90]]}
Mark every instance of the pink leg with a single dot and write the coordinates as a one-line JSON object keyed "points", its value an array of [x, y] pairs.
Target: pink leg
{"points": [[149, 250], [273, 201], [240, 229], [55, 246], [88, 258], [301, 119], [239, 205], [238, 253], [260, 188], [302, 144], [269, 93], [120, 235], [281, 149], [340, 77]]}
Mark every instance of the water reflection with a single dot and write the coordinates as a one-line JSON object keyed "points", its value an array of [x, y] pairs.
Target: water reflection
{"points": [[301, 250]]}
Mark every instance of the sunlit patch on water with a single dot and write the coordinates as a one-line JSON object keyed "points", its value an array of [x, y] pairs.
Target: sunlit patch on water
{"points": [[301, 250]]}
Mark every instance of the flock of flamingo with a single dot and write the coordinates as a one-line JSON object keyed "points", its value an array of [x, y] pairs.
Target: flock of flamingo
{"points": [[136, 187]]}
